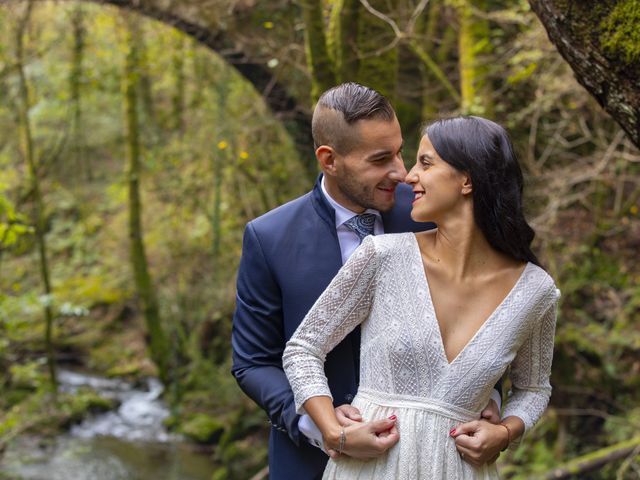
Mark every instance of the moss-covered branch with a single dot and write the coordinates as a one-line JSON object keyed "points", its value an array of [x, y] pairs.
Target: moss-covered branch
{"points": [[594, 460]]}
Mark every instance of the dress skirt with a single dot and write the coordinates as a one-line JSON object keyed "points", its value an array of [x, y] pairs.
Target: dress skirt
{"points": [[425, 450]]}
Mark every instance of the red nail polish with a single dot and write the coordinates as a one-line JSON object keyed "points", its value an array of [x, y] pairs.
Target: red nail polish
{"points": [[392, 417], [452, 432]]}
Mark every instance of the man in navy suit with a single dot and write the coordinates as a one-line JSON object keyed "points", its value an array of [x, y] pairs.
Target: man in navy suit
{"points": [[291, 254]]}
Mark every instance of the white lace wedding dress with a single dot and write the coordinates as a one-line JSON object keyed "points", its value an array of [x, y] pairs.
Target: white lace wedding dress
{"points": [[404, 369]]}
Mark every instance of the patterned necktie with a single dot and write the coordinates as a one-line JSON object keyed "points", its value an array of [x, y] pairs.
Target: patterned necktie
{"points": [[362, 225]]}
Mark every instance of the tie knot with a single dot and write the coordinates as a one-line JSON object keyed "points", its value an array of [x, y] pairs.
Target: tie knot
{"points": [[362, 225]]}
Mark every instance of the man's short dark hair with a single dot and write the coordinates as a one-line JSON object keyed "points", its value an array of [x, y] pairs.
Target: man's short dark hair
{"points": [[342, 106]]}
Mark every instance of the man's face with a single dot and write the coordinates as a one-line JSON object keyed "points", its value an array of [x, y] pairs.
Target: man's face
{"points": [[367, 176]]}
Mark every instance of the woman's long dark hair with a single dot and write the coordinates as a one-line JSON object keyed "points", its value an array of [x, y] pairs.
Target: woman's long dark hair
{"points": [[482, 149]]}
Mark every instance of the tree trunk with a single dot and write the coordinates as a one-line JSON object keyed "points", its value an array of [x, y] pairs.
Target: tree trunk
{"points": [[145, 85], [473, 44], [178, 98], [320, 66], [81, 161], [341, 39], [27, 149], [220, 158], [600, 42], [159, 344]]}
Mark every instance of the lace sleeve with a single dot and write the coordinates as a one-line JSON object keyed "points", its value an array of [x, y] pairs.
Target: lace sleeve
{"points": [[344, 304], [531, 369]]}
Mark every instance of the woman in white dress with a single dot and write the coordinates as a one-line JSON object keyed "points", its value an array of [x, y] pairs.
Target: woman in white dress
{"points": [[443, 313]]}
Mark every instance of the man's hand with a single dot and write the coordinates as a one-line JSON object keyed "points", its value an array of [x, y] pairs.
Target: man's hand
{"points": [[491, 412], [366, 440], [479, 441], [348, 415]]}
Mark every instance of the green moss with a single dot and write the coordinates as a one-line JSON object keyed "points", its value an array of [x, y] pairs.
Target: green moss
{"points": [[220, 474], [39, 412], [203, 428], [620, 32]]}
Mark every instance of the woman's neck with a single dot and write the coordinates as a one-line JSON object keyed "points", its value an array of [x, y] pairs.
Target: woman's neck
{"points": [[461, 248]]}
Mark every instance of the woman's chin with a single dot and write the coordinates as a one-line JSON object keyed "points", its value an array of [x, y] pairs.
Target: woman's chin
{"points": [[416, 216]]}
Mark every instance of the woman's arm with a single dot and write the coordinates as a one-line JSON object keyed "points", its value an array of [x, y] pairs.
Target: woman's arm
{"points": [[531, 370], [344, 304], [480, 441]]}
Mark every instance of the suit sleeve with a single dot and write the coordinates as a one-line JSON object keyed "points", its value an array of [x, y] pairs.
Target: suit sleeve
{"points": [[258, 340]]}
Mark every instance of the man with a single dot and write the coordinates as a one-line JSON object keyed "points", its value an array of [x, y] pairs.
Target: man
{"points": [[291, 254]]}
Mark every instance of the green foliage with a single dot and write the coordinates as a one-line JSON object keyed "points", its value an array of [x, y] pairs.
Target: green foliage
{"points": [[12, 224], [39, 413], [620, 33], [213, 157], [202, 428]]}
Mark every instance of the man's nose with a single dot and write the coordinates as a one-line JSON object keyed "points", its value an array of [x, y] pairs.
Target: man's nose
{"points": [[398, 171]]}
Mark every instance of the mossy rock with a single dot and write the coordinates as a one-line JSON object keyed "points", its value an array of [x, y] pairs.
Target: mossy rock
{"points": [[203, 429], [81, 404], [221, 473]]}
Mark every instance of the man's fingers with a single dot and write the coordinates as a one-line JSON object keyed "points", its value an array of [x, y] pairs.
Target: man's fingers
{"points": [[347, 414], [490, 416], [491, 412]]}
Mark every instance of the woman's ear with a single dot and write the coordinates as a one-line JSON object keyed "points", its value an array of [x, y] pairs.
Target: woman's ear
{"points": [[327, 158], [467, 187]]}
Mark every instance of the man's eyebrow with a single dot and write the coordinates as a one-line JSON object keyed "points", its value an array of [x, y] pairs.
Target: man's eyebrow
{"points": [[383, 153], [379, 154]]}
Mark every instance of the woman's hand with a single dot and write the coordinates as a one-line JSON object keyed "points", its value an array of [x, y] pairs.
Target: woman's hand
{"points": [[364, 440], [480, 441]]}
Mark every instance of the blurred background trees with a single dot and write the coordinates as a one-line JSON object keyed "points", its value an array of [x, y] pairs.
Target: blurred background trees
{"points": [[135, 143]]}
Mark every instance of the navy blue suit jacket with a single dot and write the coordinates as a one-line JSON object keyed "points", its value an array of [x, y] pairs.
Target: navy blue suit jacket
{"points": [[289, 256]]}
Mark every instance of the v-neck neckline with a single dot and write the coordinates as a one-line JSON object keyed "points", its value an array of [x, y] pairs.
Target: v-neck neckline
{"points": [[433, 309]]}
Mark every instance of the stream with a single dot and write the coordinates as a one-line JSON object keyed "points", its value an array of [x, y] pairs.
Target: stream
{"points": [[129, 443]]}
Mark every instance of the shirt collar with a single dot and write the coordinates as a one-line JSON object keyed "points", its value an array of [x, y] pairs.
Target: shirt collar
{"points": [[342, 213]]}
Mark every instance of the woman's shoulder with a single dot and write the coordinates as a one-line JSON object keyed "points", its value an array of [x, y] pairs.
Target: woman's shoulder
{"points": [[391, 242], [541, 278]]}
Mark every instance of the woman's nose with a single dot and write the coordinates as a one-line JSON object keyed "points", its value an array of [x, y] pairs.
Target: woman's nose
{"points": [[411, 177]]}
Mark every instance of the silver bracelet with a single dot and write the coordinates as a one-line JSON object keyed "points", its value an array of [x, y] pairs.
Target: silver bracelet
{"points": [[343, 439]]}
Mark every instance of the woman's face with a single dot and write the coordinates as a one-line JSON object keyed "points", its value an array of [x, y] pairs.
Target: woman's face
{"points": [[438, 187]]}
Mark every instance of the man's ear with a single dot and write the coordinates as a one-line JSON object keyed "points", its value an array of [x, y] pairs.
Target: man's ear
{"points": [[467, 187], [327, 158]]}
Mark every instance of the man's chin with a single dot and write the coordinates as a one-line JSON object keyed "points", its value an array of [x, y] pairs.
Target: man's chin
{"points": [[384, 206]]}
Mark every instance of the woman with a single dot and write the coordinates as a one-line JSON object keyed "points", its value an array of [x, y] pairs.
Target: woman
{"points": [[444, 313]]}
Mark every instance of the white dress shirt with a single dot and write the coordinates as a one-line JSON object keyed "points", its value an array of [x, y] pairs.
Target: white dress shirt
{"points": [[347, 238]]}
